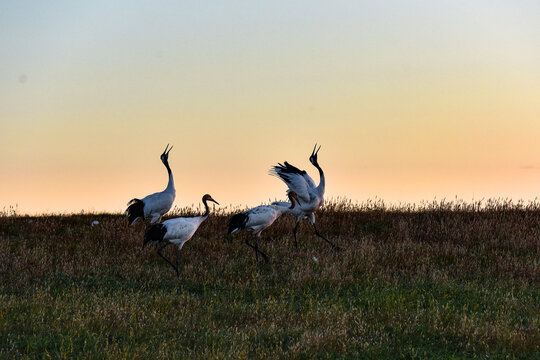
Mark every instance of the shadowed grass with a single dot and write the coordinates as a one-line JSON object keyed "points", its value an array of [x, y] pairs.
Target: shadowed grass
{"points": [[440, 280]]}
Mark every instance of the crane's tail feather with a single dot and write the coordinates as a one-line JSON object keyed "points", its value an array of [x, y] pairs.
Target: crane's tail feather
{"points": [[135, 210], [132, 201], [237, 222], [154, 233], [283, 170]]}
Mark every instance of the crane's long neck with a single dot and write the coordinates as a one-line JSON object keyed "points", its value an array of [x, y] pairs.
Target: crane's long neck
{"points": [[170, 184], [322, 182], [284, 207], [207, 209], [293, 204]]}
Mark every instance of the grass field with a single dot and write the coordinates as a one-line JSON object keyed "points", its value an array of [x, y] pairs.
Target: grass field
{"points": [[443, 280]]}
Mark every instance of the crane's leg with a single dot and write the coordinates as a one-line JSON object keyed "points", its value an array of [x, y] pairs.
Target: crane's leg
{"points": [[256, 249], [312, 220], [167, 260], [177, 256], [295, 230], [155, 219], [251, 246]]}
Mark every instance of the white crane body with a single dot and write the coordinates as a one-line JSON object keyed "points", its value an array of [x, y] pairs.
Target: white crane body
{"points": [[261, 217], [311, 196], [176, 231], [257, 219], [155, 205], [181, 230], [158, 204]]}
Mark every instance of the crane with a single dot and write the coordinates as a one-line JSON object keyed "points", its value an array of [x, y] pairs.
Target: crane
{"points": [[154, 205], [259, 218], [175, 231], [311, 196]]}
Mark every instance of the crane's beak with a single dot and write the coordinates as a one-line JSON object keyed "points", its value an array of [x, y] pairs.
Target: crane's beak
{"points": [[166, 152], [314, 153], [213, 201]]}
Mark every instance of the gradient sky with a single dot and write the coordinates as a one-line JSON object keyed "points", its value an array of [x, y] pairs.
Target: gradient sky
{"points": [[411, 100]]}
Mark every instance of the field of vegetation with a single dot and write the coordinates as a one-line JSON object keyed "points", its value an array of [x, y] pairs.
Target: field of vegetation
{"points": [[437, 281]]}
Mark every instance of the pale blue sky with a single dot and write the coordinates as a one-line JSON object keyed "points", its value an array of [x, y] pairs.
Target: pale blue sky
{"points": [[410, 99]]}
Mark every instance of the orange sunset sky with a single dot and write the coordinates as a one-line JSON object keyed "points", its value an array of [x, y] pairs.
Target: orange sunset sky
{"points": [[411, 100]]}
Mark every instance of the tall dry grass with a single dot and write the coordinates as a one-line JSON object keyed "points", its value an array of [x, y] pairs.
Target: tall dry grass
{"points": [[411, 279]]}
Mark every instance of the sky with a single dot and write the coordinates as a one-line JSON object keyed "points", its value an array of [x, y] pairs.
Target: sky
{"points": [[410, 100]]}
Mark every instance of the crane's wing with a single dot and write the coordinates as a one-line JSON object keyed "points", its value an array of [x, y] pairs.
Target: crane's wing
{"points": [[157, 203], [181, 228], [297, 180], [261, 215], [309, 180]]}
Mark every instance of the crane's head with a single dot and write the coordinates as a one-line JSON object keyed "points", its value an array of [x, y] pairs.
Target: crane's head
{"points": [[313, 157], [293, 196], [207, 197], [165, 155]]}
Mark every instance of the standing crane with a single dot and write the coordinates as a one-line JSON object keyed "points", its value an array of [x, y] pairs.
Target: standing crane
{"points": [[175, 231], [259, 218], [154, 205], [311, 196]]}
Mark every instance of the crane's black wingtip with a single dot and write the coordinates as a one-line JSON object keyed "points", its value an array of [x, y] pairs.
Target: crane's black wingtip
{"points": [[135, 210], [237, 222], [154, 233], [287, 168]]}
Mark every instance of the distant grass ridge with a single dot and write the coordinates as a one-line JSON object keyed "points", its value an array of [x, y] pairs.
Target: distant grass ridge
{"points": [[438, 280]]}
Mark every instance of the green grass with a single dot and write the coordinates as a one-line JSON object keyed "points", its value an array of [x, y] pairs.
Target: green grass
{"points": [[444, 281]]}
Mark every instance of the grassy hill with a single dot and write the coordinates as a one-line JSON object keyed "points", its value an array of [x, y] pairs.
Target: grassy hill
{"points": [[444, 280]]}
